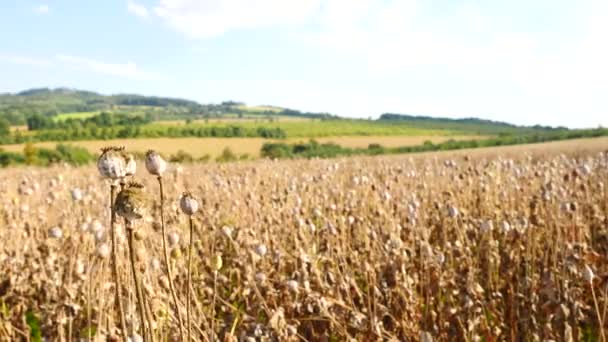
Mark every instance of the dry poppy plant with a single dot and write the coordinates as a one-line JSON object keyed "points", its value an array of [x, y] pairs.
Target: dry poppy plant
{"points": [[433, 248]]}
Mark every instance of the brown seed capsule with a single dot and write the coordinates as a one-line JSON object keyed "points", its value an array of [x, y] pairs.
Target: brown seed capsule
{"points": [[132, 202], [130, 165], [188, 204], [155, 163]]}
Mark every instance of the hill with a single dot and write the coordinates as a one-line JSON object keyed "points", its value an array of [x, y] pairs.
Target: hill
{"points": [[17, 107], [62, 104], [88, 119], [471, 125]]}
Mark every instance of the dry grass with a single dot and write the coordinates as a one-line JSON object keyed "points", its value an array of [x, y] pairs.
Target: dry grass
{"points": [[481, 245], [199, 147]]}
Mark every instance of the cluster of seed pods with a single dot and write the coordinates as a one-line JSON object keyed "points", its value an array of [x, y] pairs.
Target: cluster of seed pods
{"points": [[433, 248]]}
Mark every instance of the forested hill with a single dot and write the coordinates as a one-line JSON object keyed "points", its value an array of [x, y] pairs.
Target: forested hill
{"points": [[17, 107], [472, 125], [56, 105]]}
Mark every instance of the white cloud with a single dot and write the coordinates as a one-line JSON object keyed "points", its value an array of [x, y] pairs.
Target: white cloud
{"points": [[42, 9], [126, 70], [476, 62], [137, 9], [25, 60], [211, 18]]}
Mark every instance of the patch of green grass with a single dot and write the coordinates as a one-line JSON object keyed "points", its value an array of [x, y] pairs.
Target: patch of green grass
{"points": [[33, 322]]}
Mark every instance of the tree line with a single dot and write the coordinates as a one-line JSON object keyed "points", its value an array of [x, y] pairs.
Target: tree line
{"points": [[314, 149], [121, 125]]}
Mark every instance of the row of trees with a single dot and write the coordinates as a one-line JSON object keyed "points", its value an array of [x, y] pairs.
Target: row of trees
{"points": [[471, 125], [313, 149], [94, 132], [38, 122], [76, 156], [43, 157]]}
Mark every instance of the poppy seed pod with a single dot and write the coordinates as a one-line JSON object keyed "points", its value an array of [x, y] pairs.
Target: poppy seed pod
{"points": [[188, 204], [452, 211], [588, 273], [292, 285], [260, 278], [173, 239], [486, 226], [131, 202], [155, 163], [103, 251], [260, 250], [111, 163], [76, 194], [55, 233], [130, 165], [216, 262]]}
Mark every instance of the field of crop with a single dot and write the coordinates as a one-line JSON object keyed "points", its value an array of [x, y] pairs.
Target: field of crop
{"points": [[137, 110], [326, 128], [254, 113], [75, 115], [21, 128], [491, 244], [261, 108], [234, 118], [213, 147]]}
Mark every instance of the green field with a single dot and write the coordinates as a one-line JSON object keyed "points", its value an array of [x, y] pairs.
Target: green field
{"points": [[293, 127], [74, 115], [320, 128]]}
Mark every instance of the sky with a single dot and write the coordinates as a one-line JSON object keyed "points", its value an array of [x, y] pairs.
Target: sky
{"points": [[520, 61]]}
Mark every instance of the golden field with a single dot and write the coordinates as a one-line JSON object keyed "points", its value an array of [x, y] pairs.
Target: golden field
{"points": [[503, 244], [213, 147]]}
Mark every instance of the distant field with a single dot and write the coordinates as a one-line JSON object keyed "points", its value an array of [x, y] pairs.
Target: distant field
{"points": [[254, 110], [294, 127], [260, 108], [75, 115], [137, 110], [539, 150], [18, 128], [247, 118], [199, 147], [306, 128]]}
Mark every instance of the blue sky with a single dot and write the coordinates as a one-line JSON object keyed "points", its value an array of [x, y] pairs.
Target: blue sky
{"points": [[519, 61]]}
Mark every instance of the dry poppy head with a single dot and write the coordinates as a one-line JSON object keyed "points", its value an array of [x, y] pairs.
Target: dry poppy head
{"points": [[132, 202], [111, 163]]}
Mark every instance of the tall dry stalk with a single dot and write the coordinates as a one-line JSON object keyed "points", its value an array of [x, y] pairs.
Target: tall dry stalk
{"points": [[189, 206], [112, 165], [589, 277], [156, 166], [115, 273], [132, 204], [166, 257], [138, 291], [189, 281]]}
